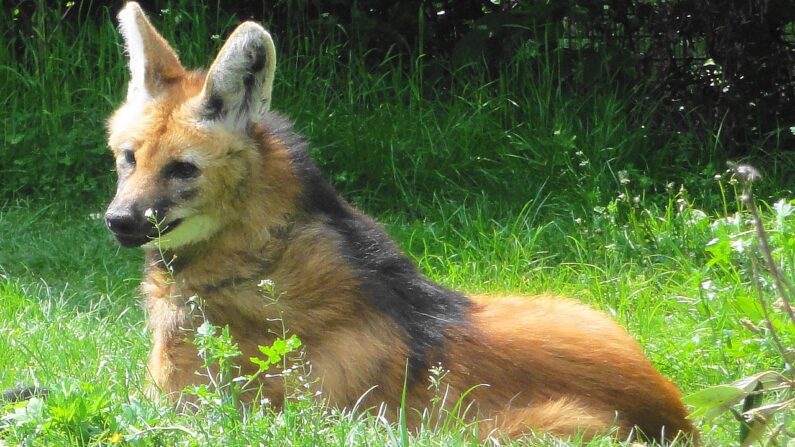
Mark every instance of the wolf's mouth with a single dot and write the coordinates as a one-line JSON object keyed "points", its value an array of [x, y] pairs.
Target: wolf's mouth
{"points": [[136, 240], [130, 241], [170, 227]]}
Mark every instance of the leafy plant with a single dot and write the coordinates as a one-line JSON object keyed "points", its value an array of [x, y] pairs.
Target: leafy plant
{"points": [[766, 399]]}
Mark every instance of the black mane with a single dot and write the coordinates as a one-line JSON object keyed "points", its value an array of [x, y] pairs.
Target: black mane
{"points": [[390, 281]]}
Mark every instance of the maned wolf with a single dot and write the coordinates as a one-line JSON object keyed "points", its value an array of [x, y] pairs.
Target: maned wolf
{"points": [[239, 201]]}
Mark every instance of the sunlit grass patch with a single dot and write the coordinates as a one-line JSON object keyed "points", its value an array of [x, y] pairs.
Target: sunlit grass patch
{"points": [[660, 271]]}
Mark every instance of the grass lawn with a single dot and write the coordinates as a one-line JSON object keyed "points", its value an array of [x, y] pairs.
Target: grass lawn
{"points": [[69, 317]]}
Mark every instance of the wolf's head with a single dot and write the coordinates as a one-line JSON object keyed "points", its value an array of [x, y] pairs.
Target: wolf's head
{"points": [[184, 141]]}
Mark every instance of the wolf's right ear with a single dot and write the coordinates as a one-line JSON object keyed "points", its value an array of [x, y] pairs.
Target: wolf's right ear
{"points": [[239, 82], [153, 63]]}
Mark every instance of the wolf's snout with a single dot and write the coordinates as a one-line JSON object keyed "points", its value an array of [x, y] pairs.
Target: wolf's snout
{"points": [[130, 229], [123, 223]]}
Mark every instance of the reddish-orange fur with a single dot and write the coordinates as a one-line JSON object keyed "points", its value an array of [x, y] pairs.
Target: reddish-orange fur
{"points": [[547, 364]]}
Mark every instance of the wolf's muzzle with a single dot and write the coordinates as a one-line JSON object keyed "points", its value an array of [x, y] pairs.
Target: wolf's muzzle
{"points": [[129, 230], [133, 231]]}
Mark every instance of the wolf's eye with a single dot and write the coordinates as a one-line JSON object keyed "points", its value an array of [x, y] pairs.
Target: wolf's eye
{"points": [[129, 157], [181, 170]]}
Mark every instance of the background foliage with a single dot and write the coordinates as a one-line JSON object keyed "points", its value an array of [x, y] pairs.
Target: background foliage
{"points": [[721, 71]]}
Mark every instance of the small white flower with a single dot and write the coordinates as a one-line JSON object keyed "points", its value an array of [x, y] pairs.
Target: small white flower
{"points": [[739, 245], [783, 208], [149, 213], [695, 216]]}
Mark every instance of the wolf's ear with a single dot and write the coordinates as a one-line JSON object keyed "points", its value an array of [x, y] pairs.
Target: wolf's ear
{"points": [[239, 82], [153, 63]]}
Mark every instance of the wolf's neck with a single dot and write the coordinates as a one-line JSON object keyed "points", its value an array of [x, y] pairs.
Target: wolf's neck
{"points": [[232, 255]]}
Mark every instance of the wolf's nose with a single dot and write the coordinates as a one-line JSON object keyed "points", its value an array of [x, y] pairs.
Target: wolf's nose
{"points": [[121, 223]]}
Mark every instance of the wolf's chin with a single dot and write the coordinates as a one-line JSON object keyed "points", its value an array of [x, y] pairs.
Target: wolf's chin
{"points": [[131, 241], [190, 231]]}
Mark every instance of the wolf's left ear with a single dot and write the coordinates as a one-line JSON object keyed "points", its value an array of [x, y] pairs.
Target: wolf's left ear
{"points": [[153, 63], [239, 82]]}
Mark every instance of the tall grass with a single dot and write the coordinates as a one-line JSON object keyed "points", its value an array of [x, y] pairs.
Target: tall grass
{"points": [[538, 126], [57, 81]]}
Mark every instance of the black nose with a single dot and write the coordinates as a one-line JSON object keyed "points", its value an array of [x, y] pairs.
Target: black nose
{"points": [[121, 223]]}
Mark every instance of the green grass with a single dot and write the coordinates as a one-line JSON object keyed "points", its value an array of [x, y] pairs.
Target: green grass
{"points": [[531, 181], [69, 319]]}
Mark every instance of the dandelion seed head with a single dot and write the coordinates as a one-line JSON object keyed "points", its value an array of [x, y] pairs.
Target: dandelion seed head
{"points": [[746, 173], [623, 177]]}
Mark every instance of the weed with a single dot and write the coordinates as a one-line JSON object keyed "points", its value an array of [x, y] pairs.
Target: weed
{"points": [[758, 419]]}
